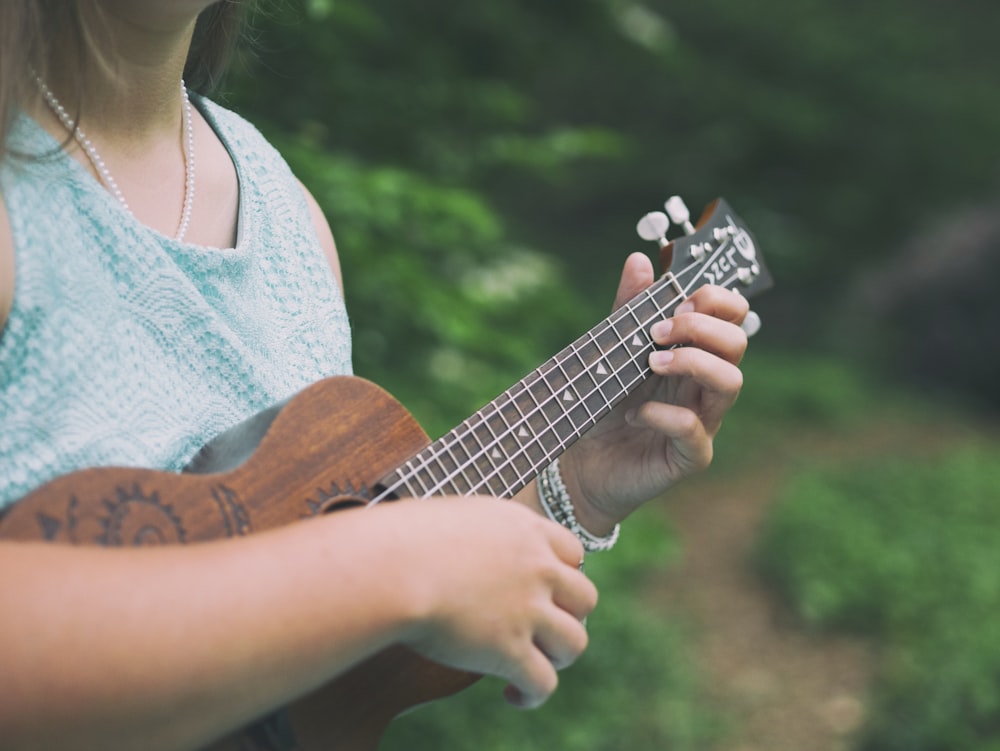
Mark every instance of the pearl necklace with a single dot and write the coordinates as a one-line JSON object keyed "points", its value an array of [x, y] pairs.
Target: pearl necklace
{"points": [[101, 168]]}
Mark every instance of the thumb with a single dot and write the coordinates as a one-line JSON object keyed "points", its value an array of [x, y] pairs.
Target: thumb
{"points": [[637, 274]]}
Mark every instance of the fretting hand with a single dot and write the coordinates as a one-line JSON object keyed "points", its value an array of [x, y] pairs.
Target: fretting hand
{"points": [[664, 431]]}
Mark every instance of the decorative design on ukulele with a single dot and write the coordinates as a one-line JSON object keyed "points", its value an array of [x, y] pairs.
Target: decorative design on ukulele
{"points": [[335, 497], [728, 257], [51, 527], [135, 518], [232, 511]]}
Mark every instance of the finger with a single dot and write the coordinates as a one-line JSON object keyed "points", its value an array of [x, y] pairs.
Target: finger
{"points": [[565, 544], [718, 302], [722, 338], [711, 372], [575, 594], [562, 639], [682, 426], [711, 384], [708, 405], [532, 682], [637, 274]]}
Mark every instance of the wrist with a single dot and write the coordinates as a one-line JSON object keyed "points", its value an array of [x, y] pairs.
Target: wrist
{"points": [[558, 505], [590, 515]]}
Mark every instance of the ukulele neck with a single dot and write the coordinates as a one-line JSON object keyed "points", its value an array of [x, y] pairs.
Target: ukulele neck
{"points": [[500, 448]]}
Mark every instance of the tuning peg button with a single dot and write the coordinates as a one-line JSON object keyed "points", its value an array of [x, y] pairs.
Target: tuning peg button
{"points": [[679, 213], [751, 324], [653, 227]]}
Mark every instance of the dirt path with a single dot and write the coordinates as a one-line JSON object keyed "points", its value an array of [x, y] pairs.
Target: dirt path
{"points": [[781, 688]]}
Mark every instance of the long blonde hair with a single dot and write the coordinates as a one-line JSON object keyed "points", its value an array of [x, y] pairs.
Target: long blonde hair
{"points": [[28, 26]]}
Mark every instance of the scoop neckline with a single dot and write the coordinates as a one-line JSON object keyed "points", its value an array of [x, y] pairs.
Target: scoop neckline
{"points": [[55, 149]]}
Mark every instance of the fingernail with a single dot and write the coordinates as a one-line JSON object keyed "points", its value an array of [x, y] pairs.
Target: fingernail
{"points": [[661, 330], [660, 358], [685, 307]]}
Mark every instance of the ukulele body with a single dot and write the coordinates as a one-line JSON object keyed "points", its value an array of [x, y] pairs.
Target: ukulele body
{"points": [[325, 449]]}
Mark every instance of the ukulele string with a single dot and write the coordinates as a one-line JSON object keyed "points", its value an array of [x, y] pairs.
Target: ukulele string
{"points": [[560, 444], [426, 458], [429, 456], [457, 436]]}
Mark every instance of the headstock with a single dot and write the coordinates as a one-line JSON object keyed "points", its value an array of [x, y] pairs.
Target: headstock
{"points": [[718, 250]]}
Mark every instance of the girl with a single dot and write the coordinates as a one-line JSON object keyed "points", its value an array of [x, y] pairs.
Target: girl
{"points": [[162, 277]]}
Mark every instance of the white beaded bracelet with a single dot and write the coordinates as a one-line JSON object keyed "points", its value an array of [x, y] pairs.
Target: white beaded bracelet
{"points": [[558, 507]]}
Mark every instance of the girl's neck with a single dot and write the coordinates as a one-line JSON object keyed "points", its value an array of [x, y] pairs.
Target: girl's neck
{"points": [[129, 85], [127, 100]]}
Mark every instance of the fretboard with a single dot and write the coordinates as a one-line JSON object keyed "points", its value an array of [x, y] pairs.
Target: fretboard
{"points": [[500, 448]]}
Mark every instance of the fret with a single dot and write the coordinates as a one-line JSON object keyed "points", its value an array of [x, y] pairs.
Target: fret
{"points": [[587, 384], [512, 441], [591, 358], [494, 423], [526, 405], [575, 417], [607, 340], [429, 475], [646, 311], [583, 359], [553, 400], [436, 477], [460, 454], [478, 443], [613, 384], [580, 415], [412, 475], [508, 474], [486, 470], [633, 344], [538, 395], [455, 467], [533, 425]]}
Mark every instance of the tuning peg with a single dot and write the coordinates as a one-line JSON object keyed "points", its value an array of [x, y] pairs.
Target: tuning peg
{"points": [[679, 213], [751, 324], [653, 227]]}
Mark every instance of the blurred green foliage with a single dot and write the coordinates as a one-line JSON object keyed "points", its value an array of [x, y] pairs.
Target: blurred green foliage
{"points": [[838, 131], [904, 550]]}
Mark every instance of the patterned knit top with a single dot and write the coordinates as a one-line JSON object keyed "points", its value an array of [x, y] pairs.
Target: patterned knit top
{"points": [[127, 348]]}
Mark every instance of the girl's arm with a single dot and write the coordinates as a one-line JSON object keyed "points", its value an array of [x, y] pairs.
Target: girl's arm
{"points": [[169, 647]]}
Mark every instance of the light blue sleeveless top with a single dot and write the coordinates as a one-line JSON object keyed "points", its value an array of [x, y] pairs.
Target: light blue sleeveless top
{"points": [[127, 348]]}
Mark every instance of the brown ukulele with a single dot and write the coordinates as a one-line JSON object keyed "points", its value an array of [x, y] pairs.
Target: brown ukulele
{"points": [[344, 442]]}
